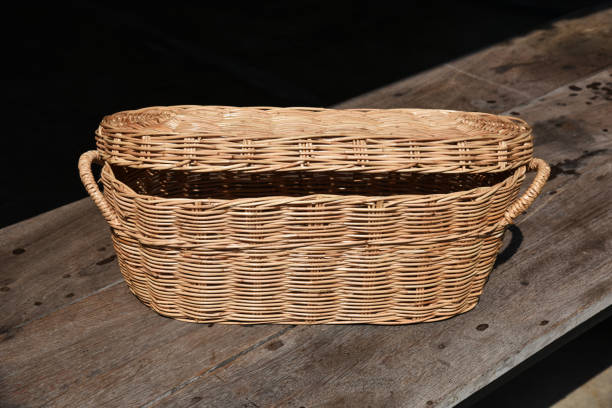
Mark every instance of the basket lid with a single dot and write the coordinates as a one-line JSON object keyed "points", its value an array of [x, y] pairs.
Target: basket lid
{"points": [[257, 139]]}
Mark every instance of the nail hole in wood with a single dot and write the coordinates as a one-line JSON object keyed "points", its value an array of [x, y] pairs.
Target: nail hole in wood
{"points": [[275, 345]]}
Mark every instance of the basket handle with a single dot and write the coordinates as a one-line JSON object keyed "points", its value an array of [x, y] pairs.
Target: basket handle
{"points": [[92, 188], [522, 203]]}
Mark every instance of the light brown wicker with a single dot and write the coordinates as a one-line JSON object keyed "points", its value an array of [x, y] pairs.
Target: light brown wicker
{"points": [[371, 241], [220, 138]]}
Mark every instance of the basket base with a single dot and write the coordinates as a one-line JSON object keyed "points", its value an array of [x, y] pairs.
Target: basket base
{"points": [[383, 320]]}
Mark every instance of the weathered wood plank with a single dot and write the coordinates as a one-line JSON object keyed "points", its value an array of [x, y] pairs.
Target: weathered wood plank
{"points": [[52, 260], [81, 350], [110, 350], [571, 123], [559, 277], [545, 59], [443, 87]]}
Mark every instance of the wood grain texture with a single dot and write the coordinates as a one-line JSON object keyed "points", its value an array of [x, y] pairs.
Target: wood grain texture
{"points": [[53, 260], [443, 87], [545, 59], [559, 277], [571, 124], [110, 350]]}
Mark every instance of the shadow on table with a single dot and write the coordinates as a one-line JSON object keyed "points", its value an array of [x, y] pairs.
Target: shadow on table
{"points": [[511, 248]]}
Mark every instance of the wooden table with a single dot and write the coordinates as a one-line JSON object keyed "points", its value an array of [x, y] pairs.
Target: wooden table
{"points": [[73, 335]]}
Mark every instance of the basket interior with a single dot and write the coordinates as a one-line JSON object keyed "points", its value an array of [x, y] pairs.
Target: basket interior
{"points": [[233, 185]]}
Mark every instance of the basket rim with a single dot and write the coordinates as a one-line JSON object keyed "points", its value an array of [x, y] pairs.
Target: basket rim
{"points": [[263, 138], [481, 191], [167, 111]]}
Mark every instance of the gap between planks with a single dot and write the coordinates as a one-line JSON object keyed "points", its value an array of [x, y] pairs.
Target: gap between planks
{"points": [[488, 81], [537, 99]]}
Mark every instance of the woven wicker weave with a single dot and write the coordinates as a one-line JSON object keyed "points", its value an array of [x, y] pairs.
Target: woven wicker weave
{"points": [[218, 138], [391, 243]]}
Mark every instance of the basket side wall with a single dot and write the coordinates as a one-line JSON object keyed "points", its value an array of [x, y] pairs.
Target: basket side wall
{"points": [[341, 259]]}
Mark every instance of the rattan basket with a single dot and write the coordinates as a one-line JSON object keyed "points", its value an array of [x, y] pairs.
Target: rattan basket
{"points": [[304, 215]]}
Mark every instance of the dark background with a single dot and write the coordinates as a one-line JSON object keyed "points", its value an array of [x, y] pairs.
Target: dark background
{"points": [[68, 65]]}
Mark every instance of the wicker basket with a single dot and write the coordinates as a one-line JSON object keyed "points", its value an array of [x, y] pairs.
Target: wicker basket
{"points": [[303, 215]]}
